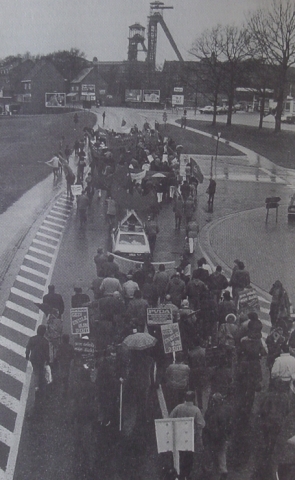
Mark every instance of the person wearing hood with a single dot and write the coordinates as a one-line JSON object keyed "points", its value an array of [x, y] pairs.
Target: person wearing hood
{"points": [[280, 303], [176, 289]]}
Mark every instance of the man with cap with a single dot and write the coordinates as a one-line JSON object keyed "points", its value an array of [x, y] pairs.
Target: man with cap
{"points": [[188, 410], [100, 259], [54, 300]]}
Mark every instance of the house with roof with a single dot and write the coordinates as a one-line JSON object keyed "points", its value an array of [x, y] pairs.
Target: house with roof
{"points": [[41, 87], [11, 74], [87, 86]]}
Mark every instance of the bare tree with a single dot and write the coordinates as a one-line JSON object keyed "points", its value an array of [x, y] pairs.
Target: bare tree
{"points": [[235, 49], [208, 49], [273, 30]]}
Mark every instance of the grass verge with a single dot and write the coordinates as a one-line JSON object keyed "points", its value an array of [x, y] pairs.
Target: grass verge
{"points": [[279, 147], [26, 142]]}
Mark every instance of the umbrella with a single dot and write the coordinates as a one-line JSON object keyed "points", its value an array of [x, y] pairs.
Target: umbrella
{"points": [[139, 341], [44, 307], [158, 175]]}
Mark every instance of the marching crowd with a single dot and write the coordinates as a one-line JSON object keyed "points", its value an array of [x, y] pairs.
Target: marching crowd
{"points": [[217, 374]]}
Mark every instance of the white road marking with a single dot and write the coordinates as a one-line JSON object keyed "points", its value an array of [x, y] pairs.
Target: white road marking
{"points": [[37, 250], [54, 217], [45, 235], [6, 436], [30, 282], [33, 272], [52, 223], [59, 214], [9, 401], [22, 310], [27, 296], [50, 230], [36, 260], [44, 244], [262, 299], [15, 347], [264, 310], [12, 371], [17, 326]]}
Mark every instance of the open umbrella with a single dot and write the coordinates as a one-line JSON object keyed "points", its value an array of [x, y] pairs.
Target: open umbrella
{"points": [[139, 341]]}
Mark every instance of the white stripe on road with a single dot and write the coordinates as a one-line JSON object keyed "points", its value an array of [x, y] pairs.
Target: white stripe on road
{"points": [[36, 260], [9, 402], [12, 371], [24, 311], [37, 250], [265, 322], [17, 326], [25, 295], [26, 281], [59, 214], [34, 272], [45, 235], [54, 217], [6, 436], [44, 244], [264, 310], [53, 223], [48, 229], [15, 347], [62, 209], [262, 299]]}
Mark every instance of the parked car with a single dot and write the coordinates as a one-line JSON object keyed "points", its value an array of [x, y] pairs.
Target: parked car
{"points": [[129, 239], [291, 208], [207, 109], [222, 110]]}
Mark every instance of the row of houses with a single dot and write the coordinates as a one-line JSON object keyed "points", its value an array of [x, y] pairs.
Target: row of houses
{"points": [[31, 87]]}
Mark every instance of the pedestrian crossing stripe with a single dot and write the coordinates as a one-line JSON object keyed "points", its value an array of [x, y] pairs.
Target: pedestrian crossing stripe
{"points": [[18, 323]]}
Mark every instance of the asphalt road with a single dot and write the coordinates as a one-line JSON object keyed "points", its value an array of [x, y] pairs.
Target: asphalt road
{"points": [[47, 447]]}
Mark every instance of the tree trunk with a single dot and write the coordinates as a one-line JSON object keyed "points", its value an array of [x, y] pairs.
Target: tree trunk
{"points": [[262, 107]]}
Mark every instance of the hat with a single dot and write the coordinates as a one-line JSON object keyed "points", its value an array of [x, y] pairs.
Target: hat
{"points": [[185, 304], [230, 318]]}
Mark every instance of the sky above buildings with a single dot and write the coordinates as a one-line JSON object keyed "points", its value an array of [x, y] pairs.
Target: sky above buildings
{"points": [[99, 28]]}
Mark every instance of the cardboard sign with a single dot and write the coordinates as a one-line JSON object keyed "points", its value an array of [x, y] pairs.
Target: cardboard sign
{"points": [[171, 338], [76, 189], [248, 301], [159, 316], [85, 347], [79, 321], [175, 434]]}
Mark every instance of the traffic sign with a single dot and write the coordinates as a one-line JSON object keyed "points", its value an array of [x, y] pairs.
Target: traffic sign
{"points": [[159, 316], [171, 338], [79, 321]]}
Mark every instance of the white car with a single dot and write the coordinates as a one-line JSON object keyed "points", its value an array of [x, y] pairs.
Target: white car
{"points": [[207, 109], [129, 239]]}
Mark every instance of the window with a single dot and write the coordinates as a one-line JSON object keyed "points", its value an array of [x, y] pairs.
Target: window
{"points": [[131, 239]]}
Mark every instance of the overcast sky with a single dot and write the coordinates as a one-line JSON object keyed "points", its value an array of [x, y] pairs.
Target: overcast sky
{"points": [[100, 27]]}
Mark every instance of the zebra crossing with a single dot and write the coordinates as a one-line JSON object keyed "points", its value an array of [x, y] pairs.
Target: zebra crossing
{"points": [[18, 323]]}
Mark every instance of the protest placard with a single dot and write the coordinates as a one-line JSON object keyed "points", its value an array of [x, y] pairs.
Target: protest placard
{"points": [[159, 316], [79, 321], [248, 301], [76, 189], [171, 338]]}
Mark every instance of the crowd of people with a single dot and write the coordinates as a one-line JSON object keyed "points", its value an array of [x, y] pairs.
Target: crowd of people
{"points": [[217, 374]]}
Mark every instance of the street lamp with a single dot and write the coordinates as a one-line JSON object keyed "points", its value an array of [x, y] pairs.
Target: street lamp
{"points": [[216, 153]]}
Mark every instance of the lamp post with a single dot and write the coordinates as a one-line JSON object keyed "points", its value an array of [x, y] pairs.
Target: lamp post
{"points": [[216, 152]]}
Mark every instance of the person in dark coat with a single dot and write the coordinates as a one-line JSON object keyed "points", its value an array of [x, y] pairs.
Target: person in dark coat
{"points": [[176, 289], [100, 259], [185, 190], [225, 307], [150, 292], [211, 192], [217, 282], [200, 272], [37, 352], [161, 279], [137, 311], [195, 289], [79, 298], [110, 268], [217, 432], [178, 209], [64, 357], [54, 300], [239, 280]]}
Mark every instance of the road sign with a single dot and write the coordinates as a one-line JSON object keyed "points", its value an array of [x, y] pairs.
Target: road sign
{"points": [[171, 338], [177, 99], [175, 435], [248, 301], [79, 321], [178, 89], [159, 316]]}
